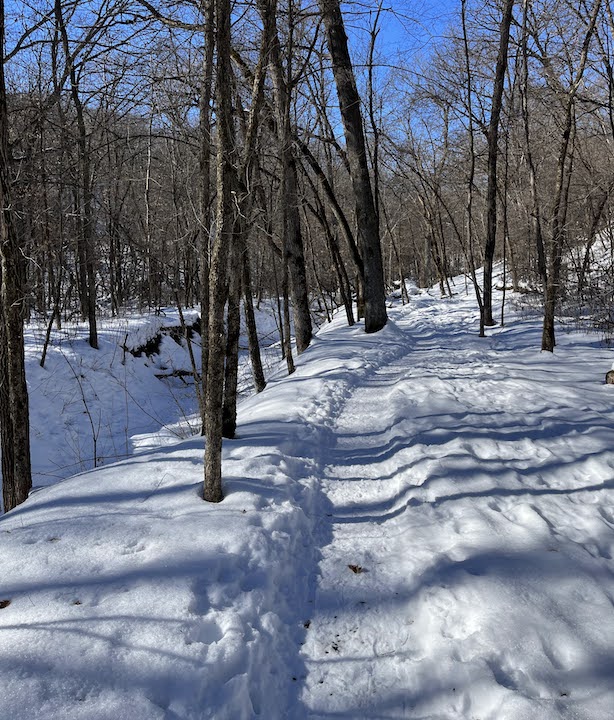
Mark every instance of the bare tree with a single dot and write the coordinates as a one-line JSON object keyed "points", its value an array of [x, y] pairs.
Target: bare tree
{"points": [[493, 154], [218, 279], [283, 80], [567, 98], [206, 91], [14, 414], [366, 215]]}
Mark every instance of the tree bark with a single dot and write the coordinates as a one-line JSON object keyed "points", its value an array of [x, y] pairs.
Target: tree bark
{"points": [[493, 152], [14, 414], [218, 288], [6, 424], [333, 248], [231, 371], [294, 254], [467, 242], [290, 225], [250, 322], [206, 91], [366, 215]]}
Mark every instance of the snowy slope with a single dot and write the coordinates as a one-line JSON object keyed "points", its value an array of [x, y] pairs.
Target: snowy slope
{"points": [[88, 407], [92, 407], [469, 483]]}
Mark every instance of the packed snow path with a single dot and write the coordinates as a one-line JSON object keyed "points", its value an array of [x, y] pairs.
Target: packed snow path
{"points": [[468, 566]]}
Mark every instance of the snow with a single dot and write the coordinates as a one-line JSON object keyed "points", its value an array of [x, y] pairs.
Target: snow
{"points": [[417, 524], [93, 407], [88, 406]]}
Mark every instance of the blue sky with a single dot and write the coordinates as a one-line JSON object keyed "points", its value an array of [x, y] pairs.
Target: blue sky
{"points": [[406, 25]]}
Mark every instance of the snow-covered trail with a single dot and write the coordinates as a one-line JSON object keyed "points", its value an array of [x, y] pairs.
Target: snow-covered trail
{"points": [[357, 648], [469, 482], [467, 566]]}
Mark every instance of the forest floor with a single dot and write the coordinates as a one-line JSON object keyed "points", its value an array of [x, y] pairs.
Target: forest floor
{"points": [[417, 524]]}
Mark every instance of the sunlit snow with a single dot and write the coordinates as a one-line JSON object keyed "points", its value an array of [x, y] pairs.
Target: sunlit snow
{"points": [[417, 524]]}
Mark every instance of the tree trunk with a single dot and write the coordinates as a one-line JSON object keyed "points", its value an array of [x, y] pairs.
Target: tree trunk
{"points": [[334, 205], [295, 258], [233, 331], [366, 215], [250, 322], [205, 189], [218, 287], [14, 414], [592, 237], [559, 211], [6, 424], [493, 151], [535, 214], [287, 334], [290, 225], [84, 194]]}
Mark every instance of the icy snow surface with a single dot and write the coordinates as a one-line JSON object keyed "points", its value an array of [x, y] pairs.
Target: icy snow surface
{"points": [[417, 524]]}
